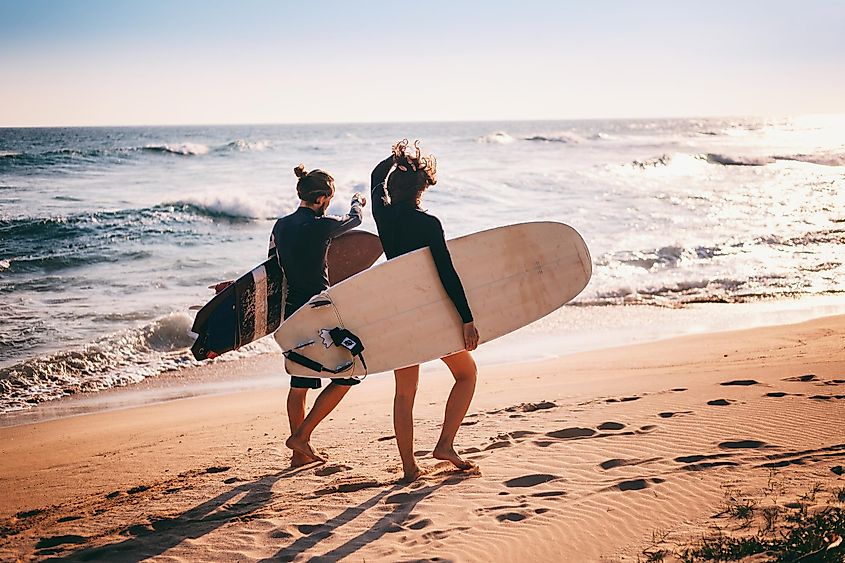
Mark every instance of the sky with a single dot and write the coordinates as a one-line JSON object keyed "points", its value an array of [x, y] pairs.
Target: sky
{"points": [[156, 62]]}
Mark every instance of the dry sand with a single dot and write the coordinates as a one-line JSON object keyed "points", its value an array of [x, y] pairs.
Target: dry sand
{"points": [[583, 458]]}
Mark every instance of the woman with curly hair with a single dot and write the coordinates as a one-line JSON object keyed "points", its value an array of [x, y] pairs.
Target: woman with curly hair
{"points": [[398, 184]]}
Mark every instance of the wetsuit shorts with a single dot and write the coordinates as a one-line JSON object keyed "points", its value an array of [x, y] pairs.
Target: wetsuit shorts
{"points": [[297, 382]]}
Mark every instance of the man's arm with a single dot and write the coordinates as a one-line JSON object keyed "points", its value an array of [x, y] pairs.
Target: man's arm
{"points": [[336, 226]]}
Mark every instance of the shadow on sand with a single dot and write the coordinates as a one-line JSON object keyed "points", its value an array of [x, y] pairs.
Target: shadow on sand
{"points": [[155, 538]]}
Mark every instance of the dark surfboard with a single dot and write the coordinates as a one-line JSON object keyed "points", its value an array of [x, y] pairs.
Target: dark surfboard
{"points": [[252, 306]]}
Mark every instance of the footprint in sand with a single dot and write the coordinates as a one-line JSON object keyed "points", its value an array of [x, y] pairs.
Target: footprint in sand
{"points": [[611, 426], [497, 445], [217, 469], [719, 402], [530, 480], [740, 382], [420, 524], [138, 489], [308, 529], [531, 407], [616, 462], [679, 389], [549, 494], [571, 433], [69, 518], [518, 434], [54, 541], [802, 378], [743, 444], [635, 484], [327, 470], [281, 534], [623, 399], [29, 513], [348, 487], [646, 429], [511, 517], [670, 414]]}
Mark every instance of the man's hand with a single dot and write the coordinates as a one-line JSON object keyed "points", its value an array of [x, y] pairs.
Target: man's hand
{"points": [[221, 286], [470, 336]]}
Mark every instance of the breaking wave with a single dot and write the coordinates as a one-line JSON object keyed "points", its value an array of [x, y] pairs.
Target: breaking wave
{"points": [[498, 137], [71, 155], [111, 361], [686, 161]]}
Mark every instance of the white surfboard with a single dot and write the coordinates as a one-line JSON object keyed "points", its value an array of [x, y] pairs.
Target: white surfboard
{"points": [[402, 315]]}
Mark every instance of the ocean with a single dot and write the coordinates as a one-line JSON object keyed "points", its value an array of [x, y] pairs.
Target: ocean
{"points": [[109, 235]]}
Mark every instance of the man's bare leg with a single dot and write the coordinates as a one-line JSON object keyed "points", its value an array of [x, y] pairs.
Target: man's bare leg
{"points": [[300, 438], [407, 380], [464, 371], [296, 414]]}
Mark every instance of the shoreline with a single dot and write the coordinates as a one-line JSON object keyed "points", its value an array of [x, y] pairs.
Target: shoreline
{"points": [[604, 328], [571, 450]]}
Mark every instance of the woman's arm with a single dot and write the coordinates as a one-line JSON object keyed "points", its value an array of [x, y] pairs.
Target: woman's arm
{"points": [[377, 183], [446, 270]]}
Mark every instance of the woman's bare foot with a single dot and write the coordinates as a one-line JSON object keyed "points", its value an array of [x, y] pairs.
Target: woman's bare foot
{"points": [[412, 475], [448, 453], [303, 447]]}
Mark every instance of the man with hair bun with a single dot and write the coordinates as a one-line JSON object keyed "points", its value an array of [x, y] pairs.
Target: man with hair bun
{"points": [[300, 242]]}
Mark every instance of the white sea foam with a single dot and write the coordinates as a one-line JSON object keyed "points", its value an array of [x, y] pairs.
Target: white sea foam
{"points": [[244, 145], [566, 137], [237, 207], [184, 149], [112, 361], [498, 137]]}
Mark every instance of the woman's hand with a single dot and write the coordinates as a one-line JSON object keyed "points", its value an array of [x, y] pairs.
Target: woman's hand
{"points": [[470, 336]]}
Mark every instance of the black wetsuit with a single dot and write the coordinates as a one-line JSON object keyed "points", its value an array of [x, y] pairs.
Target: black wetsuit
{"points": [[404, 227], [300, 241]]}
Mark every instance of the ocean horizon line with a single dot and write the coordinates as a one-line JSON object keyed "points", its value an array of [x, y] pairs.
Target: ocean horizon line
{"points": [[424, 121]]}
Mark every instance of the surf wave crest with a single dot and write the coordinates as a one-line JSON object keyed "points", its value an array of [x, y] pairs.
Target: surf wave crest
{"points": [[111, 361]]}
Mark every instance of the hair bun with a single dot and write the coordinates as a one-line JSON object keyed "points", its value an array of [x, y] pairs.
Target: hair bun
{"points": [[300, 171]]}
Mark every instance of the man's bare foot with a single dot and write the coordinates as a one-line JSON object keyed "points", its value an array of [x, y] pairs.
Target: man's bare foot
{"points": [[298, 460], [412, 475], [303, 448], [449, 454]]}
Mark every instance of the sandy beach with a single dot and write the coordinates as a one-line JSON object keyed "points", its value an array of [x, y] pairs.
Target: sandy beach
{"points": [[605, 455]]}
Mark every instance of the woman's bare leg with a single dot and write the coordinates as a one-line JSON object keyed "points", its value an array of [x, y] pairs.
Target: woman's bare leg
{"points": [[407, 380], [464, 371]]}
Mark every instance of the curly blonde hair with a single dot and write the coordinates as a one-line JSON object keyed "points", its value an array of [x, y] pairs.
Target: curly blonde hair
{"points": [[412, 172]]}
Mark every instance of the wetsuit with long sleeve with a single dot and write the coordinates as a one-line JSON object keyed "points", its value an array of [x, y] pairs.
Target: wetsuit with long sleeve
{"points": [[404, 227], [300, 242]]}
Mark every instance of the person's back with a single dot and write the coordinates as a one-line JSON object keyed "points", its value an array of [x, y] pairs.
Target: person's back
{"points": [[403, 227], [300, 241]]}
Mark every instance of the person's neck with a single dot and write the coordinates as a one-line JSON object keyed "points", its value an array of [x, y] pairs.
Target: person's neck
{"points": [[315, 208]]}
